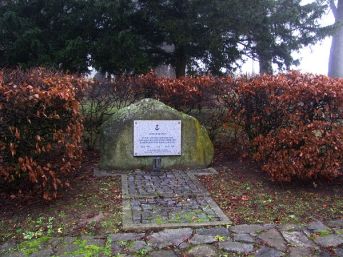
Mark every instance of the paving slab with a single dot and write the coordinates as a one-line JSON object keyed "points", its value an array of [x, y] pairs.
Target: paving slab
{"points": [[243, 238], [274, 239], [215, 231], [298, 239], [269, 252], [169, 237], [339, 252], [317, 226], [202, 239], [336, 223], [236, 247], [202, 251], [252, 229], [329, 241], [300, 252]]}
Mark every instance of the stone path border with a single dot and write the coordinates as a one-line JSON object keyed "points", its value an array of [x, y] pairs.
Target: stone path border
{"points": [[161, 188], [152, 200]]}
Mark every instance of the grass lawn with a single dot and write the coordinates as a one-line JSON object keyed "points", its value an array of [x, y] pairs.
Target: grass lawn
{"points": [[93, 205]]}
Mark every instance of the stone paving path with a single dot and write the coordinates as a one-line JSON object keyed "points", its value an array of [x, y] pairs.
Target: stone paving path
{"points": [[316, 239], [168, 199]]}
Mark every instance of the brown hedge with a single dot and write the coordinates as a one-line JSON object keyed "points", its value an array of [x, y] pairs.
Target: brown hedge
{"points": [[294, 123], [41, 128]]}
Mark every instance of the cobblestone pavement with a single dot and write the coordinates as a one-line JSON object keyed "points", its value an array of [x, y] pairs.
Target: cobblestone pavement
{"points": [[161, 184], [168, 199], [314, 239]]}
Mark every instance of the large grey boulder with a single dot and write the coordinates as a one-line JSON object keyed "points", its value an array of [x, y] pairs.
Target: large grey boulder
{"points": [[116, 139]]}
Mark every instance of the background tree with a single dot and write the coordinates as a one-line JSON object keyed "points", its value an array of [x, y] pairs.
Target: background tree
{"points": [[132, 36], [73, 35], [217, 33], [118, 47], [199, 31], [277, 28], [336, 51], [45, 33]]}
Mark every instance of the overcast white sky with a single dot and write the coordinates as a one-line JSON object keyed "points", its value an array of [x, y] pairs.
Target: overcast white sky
{"points": [[313, 59]]}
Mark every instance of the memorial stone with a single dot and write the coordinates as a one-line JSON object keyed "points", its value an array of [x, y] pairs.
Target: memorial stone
{"points": [[138, 133]]}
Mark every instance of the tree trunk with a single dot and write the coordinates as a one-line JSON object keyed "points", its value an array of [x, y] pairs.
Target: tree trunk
{"points": [[265, 61], [264, 56], [180, 62], [265, 65], [336, 51]]}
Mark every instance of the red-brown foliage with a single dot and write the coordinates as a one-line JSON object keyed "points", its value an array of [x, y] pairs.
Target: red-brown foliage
{"points": [[41, 128], [193, 95], [186, 93], [294, 122], [291, 123]]}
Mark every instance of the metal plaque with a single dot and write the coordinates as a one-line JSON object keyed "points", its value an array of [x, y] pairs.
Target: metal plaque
{"points": [[156, 137]]}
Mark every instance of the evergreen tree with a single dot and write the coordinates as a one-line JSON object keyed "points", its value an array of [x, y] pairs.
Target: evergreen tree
{"points": [[132, 36], [117, 46], [45, 33], [196, 29], [277, 28]]}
